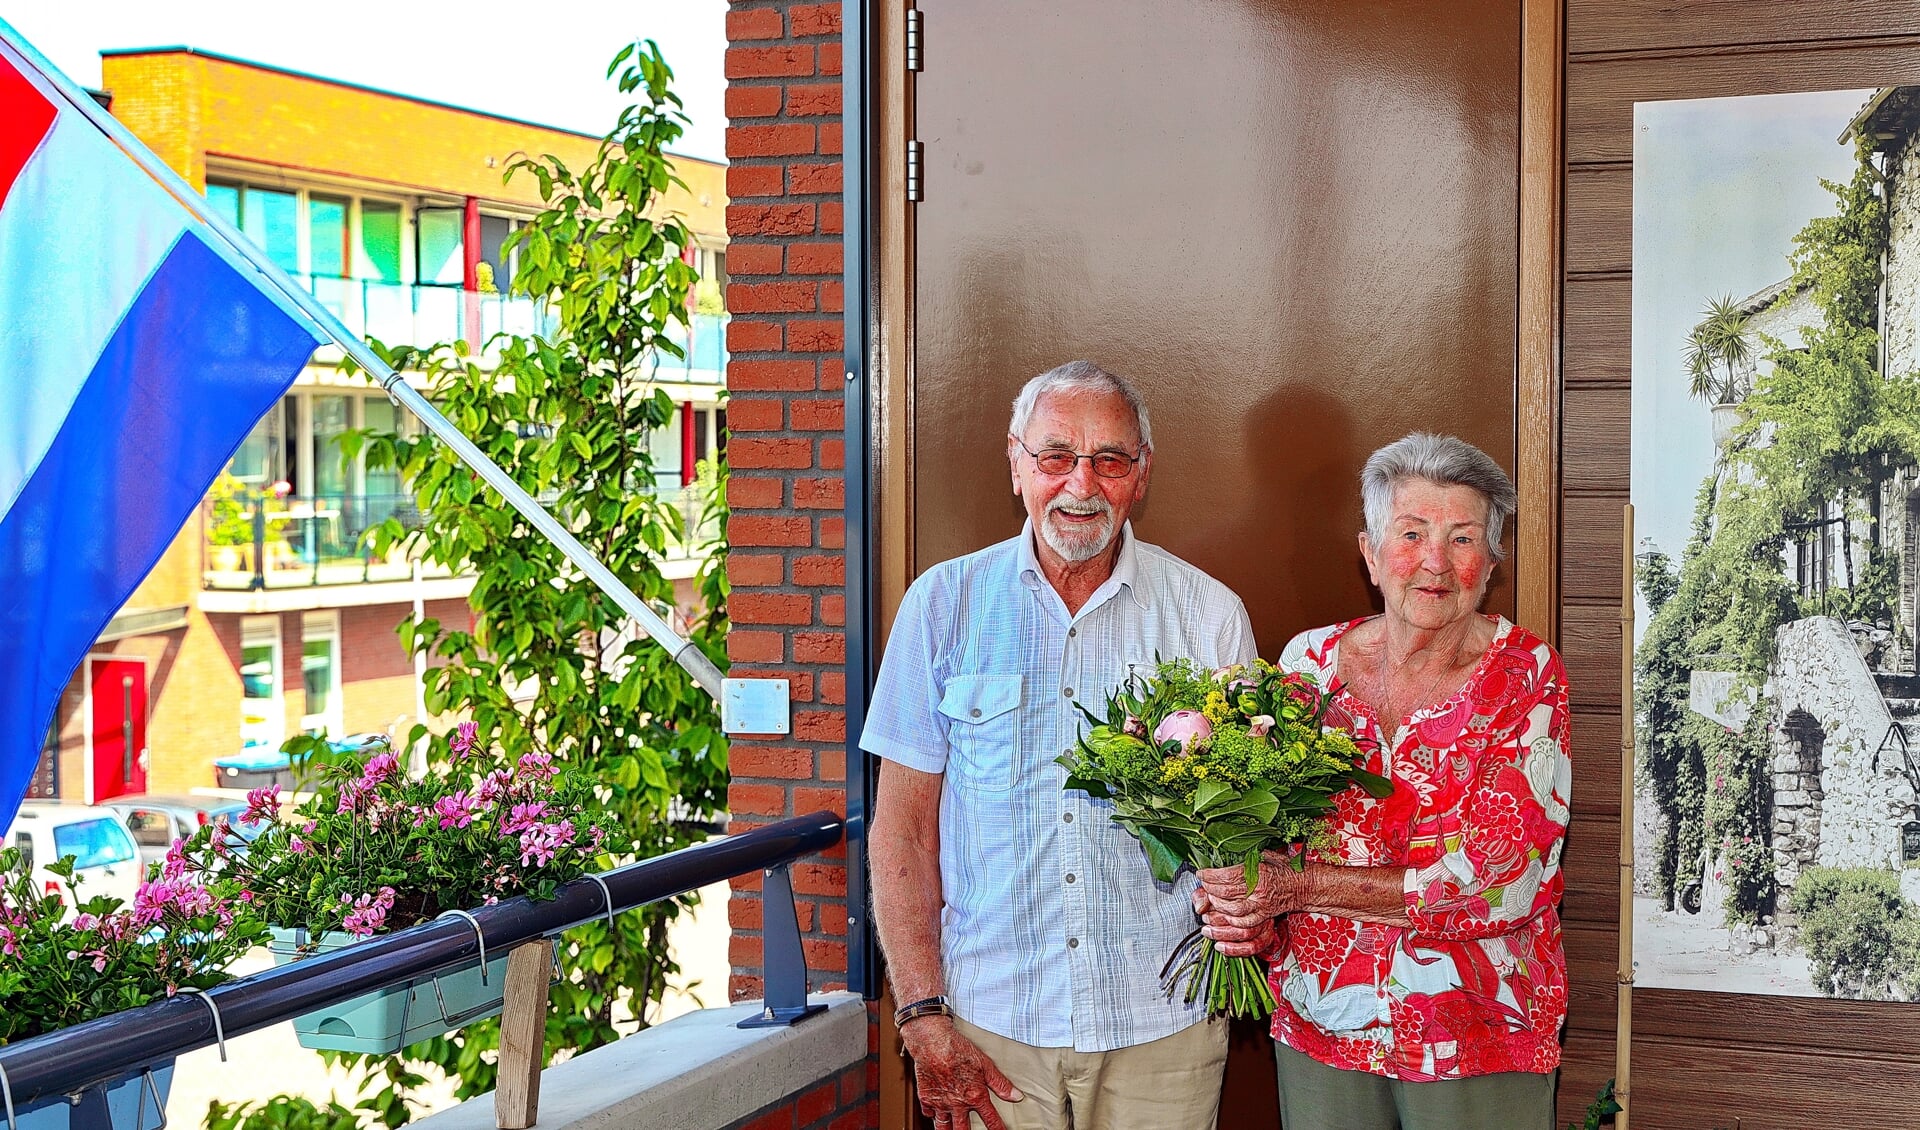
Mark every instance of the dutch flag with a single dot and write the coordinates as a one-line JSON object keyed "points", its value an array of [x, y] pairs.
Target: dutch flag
{"points": [[137, 349]]}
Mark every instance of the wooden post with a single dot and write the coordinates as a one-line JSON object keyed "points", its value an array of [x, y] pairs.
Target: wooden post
{"points": [[523, 1036], [1623, 1033]]}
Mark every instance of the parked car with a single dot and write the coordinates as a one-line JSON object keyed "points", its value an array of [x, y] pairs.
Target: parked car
{"points": [[106, 860], [157, 819]]}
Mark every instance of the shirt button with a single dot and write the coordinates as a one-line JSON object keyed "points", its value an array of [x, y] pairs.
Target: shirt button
{"points": [[975, 712], [1069, 876], [1073, 943], [1072, 632], [1067, 691], [1067, 816]]}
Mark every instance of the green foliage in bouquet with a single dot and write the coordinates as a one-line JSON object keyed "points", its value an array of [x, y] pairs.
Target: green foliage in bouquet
{"points": [[1210, 769], [61, 966]]}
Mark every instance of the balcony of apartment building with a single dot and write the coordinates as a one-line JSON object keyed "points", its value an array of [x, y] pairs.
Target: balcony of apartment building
{"points": [[289, 525]]}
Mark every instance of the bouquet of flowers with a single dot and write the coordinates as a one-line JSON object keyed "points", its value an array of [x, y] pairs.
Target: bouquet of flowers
{"points": [[64, 959], [1209, 769], [377, 849]]}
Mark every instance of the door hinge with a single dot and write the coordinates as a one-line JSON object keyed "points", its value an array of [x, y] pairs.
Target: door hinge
{"points": [[913, 39], [913, 172]]}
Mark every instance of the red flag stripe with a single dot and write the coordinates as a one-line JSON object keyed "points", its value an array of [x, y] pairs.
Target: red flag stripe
{"points": [[25, 118]]}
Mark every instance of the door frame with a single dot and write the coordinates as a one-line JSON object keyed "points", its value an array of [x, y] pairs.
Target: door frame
{"points": [[86, 713], [878, 119]]}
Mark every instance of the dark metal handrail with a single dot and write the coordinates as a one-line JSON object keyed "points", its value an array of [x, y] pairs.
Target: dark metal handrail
{"points": [[110, 1047]]}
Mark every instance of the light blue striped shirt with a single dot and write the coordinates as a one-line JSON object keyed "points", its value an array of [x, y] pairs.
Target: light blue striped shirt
{"points": [[1054, 931]]}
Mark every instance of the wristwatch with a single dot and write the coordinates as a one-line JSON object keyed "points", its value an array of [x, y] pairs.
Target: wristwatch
{"points": [[932, 1006]]}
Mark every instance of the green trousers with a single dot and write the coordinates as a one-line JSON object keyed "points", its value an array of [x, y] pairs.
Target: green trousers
{"points": [[1314, 1096]]}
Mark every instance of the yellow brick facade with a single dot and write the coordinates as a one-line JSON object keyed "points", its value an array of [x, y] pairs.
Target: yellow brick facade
{"points": [[186, 106]]}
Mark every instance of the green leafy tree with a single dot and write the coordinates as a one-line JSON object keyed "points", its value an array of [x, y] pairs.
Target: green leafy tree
{"points": [[550, 663], [1718, 351]]}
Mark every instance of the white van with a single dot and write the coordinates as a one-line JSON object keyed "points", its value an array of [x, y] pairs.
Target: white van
{"points": [[106, 862]]}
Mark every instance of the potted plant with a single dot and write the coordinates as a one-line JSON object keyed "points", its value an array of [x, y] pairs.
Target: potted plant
{"points": [[375, 849], [65, 959], [229, 522]]}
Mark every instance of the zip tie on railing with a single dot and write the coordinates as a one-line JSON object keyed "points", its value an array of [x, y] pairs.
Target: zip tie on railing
{"points": [[608, 893], [219, 1029], [6, 1092], [477, 936]]}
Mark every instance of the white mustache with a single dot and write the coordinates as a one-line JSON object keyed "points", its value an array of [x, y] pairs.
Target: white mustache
{"points": [[1079, 505]]}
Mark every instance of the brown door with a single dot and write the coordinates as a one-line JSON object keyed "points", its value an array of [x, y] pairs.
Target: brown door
{"points": [[1293, 223]]}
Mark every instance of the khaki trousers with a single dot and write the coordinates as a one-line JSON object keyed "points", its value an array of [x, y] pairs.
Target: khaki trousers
{"points": [[1172, 1083], [1314, 1096]]}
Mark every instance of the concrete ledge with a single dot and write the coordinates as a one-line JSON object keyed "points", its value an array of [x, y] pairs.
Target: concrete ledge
{"points": [[695, 1071]]}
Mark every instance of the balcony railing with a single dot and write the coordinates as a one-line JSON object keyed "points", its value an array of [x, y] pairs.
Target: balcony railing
{"points": [[78, 1061], [255, 540], [423, 314]]}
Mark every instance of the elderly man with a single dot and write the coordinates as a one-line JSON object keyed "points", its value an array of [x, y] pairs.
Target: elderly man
{"points": [[1023, 931]]}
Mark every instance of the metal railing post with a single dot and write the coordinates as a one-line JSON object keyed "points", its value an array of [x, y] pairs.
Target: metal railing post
{"points": [[259, 542], [783, 962]]}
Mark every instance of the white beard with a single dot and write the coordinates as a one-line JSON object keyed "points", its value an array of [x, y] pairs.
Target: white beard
{"points": [[1083, 544]]}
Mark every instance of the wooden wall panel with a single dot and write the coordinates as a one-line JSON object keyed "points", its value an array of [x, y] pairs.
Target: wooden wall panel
{"points": [[1641, 25], [1590, 568], [1596, 431], [1590, 647], [1600, 219], [1698, 1059], [1601, 92], [1597, 329]]}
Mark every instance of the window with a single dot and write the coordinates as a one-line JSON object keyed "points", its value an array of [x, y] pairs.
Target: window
{"points": [[24, 842], [262, 714], [93, 843], [268, 216], [150, 828], [440, 262], [381, 415], [328, 252], [325, 235], [331, 470], [379, 240], [320, 672]]}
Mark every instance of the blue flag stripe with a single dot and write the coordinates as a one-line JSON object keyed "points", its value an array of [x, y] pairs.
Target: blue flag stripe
{"points": [[199, 357]]}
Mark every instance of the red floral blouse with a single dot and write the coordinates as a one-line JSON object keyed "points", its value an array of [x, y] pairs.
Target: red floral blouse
{"points": [[1477, 817]]}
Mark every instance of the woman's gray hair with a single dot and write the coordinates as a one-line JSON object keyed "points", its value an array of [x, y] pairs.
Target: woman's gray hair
{"points": [[1079, 376], [1446, 461]]}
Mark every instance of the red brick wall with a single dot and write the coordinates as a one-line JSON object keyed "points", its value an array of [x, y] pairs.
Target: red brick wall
{"points": [[840, 1102], [785, 379]]}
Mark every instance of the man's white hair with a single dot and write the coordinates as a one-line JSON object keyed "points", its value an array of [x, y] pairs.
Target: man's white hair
{"points": [[1080, 376]]}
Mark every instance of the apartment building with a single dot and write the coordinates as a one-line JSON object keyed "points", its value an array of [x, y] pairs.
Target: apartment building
{"points": [[269, 616]]}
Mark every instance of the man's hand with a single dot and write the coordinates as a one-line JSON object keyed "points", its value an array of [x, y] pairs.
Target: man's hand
{"points": [[953, 1075]]}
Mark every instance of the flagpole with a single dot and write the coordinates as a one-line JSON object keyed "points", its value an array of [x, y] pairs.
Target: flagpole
{"points": [[682, 650]]}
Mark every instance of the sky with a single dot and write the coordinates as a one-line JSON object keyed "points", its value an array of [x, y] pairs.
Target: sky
{"points": [[1720, 186], [545, 64]]}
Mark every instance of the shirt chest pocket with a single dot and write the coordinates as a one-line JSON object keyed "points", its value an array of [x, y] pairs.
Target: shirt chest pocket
{"points": [[983, 731]]}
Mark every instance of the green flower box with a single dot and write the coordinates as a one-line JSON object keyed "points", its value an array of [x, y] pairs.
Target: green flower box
{"points": [[131, 1104], [387, 1020]]}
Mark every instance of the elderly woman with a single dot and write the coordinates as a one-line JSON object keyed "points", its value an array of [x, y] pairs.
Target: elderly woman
{"points": [[1417, 959]]}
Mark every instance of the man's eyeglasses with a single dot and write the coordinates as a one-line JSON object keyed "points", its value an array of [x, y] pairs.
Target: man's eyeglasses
{"points": [[1060, 462]]}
